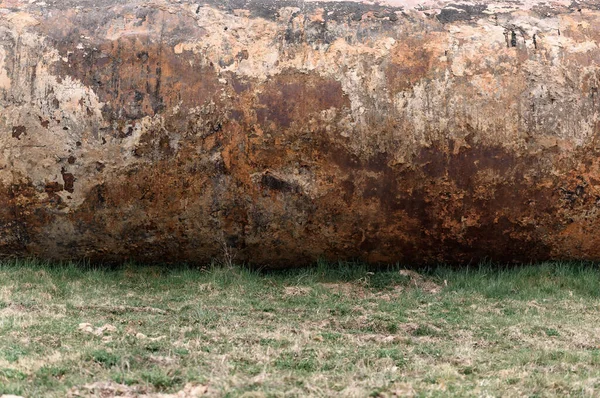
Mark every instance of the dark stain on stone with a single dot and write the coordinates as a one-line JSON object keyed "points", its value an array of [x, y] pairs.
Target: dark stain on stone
{"points": [[154, 144], [18, 131], [71, 159], [461, 12], [68, 180], [277, 184], [441, 191], [225, 62], [339, 11], [143, 56], [238, 85], [236, 115], [124, 131], [53, 187], [133, 76], [242, 55], [348, 189], [97, 196], [291, 97]]}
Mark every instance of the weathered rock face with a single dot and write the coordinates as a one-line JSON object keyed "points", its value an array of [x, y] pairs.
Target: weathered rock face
{"points": [[294, 130]]}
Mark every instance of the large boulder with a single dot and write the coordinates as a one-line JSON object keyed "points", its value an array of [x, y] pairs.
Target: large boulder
{"points": [[280, 132]]}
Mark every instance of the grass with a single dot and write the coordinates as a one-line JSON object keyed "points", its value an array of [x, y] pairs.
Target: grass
{"points": [[331, 330]]}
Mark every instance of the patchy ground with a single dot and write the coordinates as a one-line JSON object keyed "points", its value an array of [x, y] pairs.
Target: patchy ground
{"points": [[336, 330]]}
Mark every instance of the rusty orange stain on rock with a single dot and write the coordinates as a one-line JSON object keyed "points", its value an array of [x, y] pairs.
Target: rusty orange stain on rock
{"points": [[165, 131], [412, 59]]}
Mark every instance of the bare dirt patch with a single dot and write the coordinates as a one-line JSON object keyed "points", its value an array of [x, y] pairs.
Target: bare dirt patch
{"points": [[419, 282], [297, 290]]}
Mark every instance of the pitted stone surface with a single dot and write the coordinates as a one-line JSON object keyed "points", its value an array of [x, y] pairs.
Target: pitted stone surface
{"points": [[288, 131]]}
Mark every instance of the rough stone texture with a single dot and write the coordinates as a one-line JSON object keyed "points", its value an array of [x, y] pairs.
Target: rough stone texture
{"points": [[288, 131]]}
